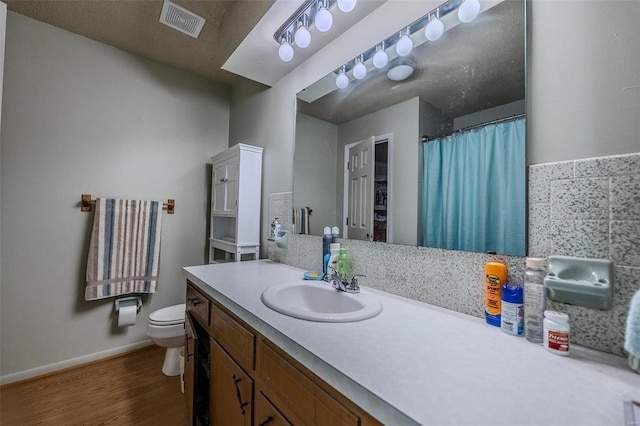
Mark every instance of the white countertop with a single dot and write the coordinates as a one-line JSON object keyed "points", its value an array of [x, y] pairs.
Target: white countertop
{"points": [[419, 364]]}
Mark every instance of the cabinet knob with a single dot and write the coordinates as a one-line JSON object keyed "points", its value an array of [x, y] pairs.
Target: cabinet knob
{"points": [[195, 301]]}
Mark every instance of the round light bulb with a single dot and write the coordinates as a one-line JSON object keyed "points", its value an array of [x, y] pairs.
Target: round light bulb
{"points": [[324, 20], [434, 29], [404, 46], [302, 37], [285, 52], [380, 59], [342, 81], [346, 5], [468, 10], [359, 71]]}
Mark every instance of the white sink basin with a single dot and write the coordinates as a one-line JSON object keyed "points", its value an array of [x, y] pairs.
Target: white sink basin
{"points": [[318, 301]]}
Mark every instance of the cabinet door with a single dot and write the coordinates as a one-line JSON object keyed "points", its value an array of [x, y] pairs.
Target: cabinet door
{"points": [[189, 366], [267, 414], [231, 200], [219, 188], [298, 398], [231, 390], [225, 186]]}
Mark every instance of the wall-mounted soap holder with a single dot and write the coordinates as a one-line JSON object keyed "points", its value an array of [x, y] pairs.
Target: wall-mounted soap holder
{"points": [[580, 281]]}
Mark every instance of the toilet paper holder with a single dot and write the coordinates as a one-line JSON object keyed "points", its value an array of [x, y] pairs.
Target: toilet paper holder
{"points": [[129, 301]]}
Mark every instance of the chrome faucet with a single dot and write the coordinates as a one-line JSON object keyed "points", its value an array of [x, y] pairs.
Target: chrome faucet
{"points": [[333, 278]]}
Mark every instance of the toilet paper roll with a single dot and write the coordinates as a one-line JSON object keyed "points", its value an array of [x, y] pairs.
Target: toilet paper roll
{"points": [[127, 315]]}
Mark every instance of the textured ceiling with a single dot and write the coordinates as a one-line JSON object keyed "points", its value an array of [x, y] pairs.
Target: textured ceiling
{"points": [[132, 25], [473, 67]]}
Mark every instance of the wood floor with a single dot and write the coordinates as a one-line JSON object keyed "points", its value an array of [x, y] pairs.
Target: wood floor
{"points": [[125, 390]]}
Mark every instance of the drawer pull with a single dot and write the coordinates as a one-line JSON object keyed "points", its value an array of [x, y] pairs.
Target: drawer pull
{"points": [[195, 301], [236, 380], [265, 421]]}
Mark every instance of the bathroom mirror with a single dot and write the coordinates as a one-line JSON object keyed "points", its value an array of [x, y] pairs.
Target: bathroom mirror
{"points": [[473, 75]]}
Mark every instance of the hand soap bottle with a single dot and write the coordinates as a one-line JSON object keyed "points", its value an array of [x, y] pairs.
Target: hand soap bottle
{"points": [[343, 264]]}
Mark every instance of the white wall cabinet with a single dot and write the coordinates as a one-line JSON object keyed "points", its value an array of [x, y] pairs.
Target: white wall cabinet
{"points": [[235, 204]]}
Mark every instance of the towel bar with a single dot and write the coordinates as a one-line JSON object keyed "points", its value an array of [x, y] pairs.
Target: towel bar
{"points": [[86, 202]]}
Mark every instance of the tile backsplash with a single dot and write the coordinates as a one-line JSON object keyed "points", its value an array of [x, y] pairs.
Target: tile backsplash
{"points": [[590, 208], [582, 208]]}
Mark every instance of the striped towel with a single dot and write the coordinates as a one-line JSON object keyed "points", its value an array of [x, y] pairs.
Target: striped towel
{"points": [[124, 254], [301, 220]]}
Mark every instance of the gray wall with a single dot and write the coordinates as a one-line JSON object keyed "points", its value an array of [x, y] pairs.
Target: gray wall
{"points": [[3, 21], [583, 73], [315, 182], [82, 117]]}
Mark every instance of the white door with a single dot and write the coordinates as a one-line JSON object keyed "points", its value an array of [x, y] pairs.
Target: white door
{"points": [[361, 162]]}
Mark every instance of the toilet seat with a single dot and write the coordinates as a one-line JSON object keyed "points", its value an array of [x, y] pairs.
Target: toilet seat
{"points": [[171, 315]]}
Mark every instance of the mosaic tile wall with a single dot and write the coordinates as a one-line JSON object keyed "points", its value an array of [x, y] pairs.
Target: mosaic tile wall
{"points": [[590, 208], [582, 208]]}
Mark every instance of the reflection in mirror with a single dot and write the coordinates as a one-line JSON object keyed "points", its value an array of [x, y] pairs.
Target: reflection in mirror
{"points": [[472, 75]]}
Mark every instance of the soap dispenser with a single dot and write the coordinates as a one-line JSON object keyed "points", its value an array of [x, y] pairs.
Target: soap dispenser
{"points": [[343, 264]]}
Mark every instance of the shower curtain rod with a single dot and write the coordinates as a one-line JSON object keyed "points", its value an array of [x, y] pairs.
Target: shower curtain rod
{"points": [[425, 138]]}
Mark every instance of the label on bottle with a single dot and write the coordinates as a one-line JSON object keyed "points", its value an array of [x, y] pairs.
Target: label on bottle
{"points": [[512, 318], [558, 340], [492, 294]]}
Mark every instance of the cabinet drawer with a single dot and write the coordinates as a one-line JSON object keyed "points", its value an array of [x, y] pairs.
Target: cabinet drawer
{"points": [[198, 305], [298, 398], [234, 338]]}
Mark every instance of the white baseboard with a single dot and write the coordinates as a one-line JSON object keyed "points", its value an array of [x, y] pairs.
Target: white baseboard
{"points": [[56, 366]]}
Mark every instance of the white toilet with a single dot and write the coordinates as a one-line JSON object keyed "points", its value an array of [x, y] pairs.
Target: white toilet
{"points": [[166, 329]]}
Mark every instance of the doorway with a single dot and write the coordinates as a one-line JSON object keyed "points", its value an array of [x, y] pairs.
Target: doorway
{"points": [[367, 197]]}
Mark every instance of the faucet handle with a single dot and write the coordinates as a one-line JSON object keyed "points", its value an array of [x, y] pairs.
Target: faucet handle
{"points": [[331, 272], [356, 276], [353, 287]]}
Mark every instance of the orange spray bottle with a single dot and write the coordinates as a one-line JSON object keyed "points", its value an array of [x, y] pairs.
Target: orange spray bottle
{"points": [[495, 276]]}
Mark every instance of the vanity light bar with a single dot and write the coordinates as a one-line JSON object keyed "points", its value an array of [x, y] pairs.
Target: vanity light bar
{"points": [[417, 25], [306, 16]]}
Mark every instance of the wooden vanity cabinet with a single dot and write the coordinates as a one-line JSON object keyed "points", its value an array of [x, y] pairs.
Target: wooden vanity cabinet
{"points": [[252, 381]]}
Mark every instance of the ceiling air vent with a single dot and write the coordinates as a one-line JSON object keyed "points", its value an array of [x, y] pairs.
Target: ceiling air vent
{"points": [[181, 19]]}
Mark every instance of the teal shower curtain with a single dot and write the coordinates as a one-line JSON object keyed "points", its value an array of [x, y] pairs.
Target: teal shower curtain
{"points": [[473, 190]]}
